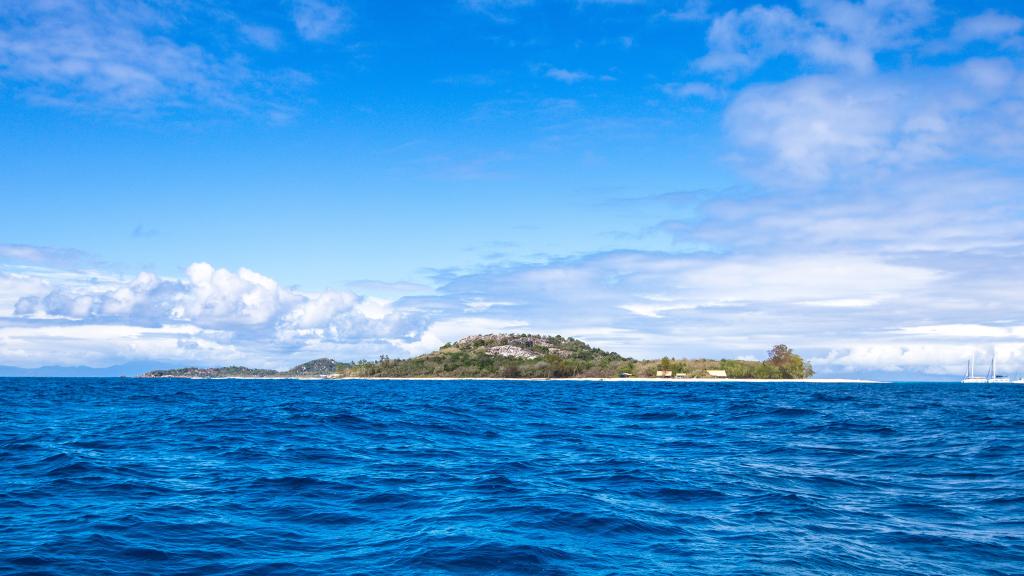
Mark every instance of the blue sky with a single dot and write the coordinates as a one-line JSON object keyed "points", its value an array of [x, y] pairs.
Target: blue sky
{"points": [[264, 183]]}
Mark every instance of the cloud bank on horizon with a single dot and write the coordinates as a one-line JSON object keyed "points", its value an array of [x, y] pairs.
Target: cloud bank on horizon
{"points": [[656, 178]]}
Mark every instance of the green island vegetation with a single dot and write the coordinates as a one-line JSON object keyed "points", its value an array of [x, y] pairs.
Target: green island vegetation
{"points": [[522, 356]]}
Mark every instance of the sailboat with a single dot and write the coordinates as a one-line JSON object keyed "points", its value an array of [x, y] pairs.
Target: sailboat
{"points": [[969, 377], [994, 378]]}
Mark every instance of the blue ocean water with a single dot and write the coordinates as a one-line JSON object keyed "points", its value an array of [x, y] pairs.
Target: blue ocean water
{"points": [[125, 476]]}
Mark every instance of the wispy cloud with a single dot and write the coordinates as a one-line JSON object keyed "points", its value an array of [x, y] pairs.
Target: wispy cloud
{"points": [[841, 35], [107, 53], [497, 10], [40, 254], [262, 36], [133, 57], [690, 11], [989, 26], [814, 128], [702, 90], [320, 20], [567, 76]]}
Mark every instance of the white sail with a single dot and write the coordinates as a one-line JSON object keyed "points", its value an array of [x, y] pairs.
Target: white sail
{"points": [[993, 377], [970, 378]]}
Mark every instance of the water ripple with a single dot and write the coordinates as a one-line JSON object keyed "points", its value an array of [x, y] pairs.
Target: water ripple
{"points": [[123, 476]]}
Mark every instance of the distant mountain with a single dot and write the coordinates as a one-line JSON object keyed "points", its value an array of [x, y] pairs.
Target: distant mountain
{"points": [[127, 369]]}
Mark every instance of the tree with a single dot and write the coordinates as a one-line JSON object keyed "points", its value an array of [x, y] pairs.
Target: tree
{"points": [[787, 363], [780, 355]]}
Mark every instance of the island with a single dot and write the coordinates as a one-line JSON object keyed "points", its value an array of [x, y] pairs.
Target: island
{"points": [[522, 356]]}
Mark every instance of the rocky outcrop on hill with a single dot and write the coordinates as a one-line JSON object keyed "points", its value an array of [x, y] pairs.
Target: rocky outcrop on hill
{"points": [[522, 346], [509, 351]]}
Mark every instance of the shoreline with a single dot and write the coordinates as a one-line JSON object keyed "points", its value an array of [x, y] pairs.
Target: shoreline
{"points": [[574, 379]]}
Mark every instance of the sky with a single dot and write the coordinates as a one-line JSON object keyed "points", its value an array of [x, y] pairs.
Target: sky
{"points": [[189, 182]]}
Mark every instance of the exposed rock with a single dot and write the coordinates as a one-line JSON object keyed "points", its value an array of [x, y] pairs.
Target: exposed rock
{"points": [[531, 342], [509, 351]]}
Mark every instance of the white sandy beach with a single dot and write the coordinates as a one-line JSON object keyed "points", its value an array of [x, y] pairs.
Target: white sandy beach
{"points": [[428, 378]]}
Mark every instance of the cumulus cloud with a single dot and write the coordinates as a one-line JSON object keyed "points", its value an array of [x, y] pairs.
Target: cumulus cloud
{"points": [[209, 310], [842, 303], [206, 297]]}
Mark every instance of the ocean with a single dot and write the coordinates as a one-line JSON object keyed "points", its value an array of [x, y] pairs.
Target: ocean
{"points": [[131, 476]]}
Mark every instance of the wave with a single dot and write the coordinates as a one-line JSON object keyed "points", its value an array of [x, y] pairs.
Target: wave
{"points": [[315, 477]]}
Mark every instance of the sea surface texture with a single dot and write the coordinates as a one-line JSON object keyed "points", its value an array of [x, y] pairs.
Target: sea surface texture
{"points": [[125, 476]]}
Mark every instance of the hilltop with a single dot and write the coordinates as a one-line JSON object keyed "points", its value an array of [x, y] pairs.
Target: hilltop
{"points": [[516, 356], [503, 356]]}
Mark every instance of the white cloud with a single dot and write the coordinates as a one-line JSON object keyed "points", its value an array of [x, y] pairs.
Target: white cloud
{"points": [[137, 57], [989, 26], [832, 33], [844, 304], [101, 345], [241, 310], [262, 36], [691, 11], [566, 76], [444, 331], [39, 254], [959, 331], [692, 90], [497, 10], [319, 20], [485, 5], [814, 128], [932, 358], [109, 53]]}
